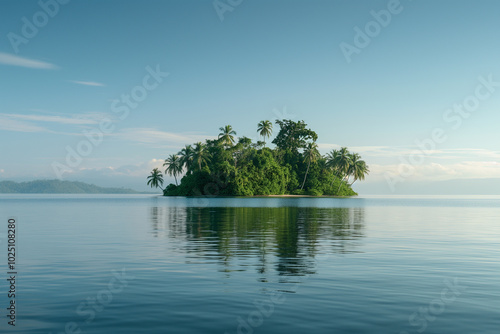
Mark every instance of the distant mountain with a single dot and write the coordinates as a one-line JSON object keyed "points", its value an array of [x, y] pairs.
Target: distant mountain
{"points": [[58, 187]]}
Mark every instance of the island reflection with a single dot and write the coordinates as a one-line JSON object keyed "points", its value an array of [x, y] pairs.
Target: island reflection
{"points": [[286, 239]]}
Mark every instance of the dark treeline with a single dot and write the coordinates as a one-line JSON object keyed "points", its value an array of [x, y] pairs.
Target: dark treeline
{"points": [[231, 166]]}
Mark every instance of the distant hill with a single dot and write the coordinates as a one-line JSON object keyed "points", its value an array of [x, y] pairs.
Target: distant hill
{"points": [[58, 187]]}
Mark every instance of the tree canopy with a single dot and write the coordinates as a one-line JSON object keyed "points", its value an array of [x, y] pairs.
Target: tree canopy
{"points": [[293, 135]]}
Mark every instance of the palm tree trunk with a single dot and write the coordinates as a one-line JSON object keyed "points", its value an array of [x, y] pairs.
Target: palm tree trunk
{"points": [[305, 176], [334, 178], [354, 179], [175, 180], [340, 185]]}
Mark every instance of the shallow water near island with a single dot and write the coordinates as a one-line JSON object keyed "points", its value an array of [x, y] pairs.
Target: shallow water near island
{"points": [[148, 264]]}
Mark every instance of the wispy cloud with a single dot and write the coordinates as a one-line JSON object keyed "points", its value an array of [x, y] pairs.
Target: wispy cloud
{"points": [[151, 135], [87, 83], [405, 151], [10, 124], [54, 119], [32, 122], [135, 170], [12, 60], [440, 172], [385, 151]]}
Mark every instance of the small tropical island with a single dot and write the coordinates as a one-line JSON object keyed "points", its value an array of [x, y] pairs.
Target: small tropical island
{"points": [[230, 166]]}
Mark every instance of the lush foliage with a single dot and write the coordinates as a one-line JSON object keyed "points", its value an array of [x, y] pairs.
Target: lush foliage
{"points": [[231, 166]]}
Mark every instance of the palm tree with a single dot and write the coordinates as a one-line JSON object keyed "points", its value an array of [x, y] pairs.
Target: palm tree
{"points": [[174, 166], [227, 135], [311, 154], [357, 168], [186, 157], [265, 129], [155, 179], [200, 154], [343, 163], [331, 162]]}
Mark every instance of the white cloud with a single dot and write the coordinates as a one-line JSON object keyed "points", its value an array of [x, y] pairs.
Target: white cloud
{"points": [[29, 122], [472, 152], [151, 135], [141, 169], [87, 83], [134, 170], [378, 151], [405, 152], [10, 124], [432, 165], [438, 172], [54, 119], [12, 60]]}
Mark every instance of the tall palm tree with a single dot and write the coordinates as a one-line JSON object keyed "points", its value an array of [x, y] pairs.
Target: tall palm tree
{"points": [[265, 129], [353, 159], [227, 135], [186, 157], [155, 179], [343, 163], [311, 154], [200, 154], [174, 166], [331, 162], [357, 168]]}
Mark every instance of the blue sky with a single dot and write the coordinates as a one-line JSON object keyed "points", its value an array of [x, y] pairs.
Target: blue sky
{"points": [[264, 60]]}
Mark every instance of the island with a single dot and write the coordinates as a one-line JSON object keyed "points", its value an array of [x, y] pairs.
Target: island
{"points": [[230, 166]]}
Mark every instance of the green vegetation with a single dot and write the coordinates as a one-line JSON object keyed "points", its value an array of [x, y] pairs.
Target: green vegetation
{"points": [[230, 166], [58, 187]]}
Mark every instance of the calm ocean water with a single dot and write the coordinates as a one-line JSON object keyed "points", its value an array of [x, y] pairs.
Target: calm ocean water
{"points": [[145, 264]]}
